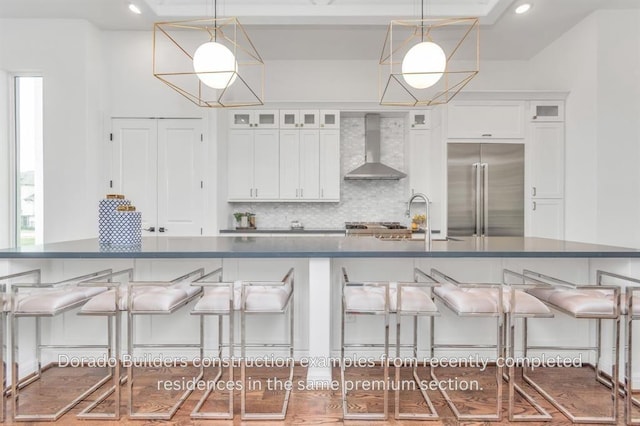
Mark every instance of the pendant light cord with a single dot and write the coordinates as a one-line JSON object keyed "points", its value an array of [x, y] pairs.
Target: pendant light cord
{"points": [[422, 21]]}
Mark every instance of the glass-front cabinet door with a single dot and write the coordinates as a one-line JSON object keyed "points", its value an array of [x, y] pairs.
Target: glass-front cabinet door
{"points": [[244, 119], [420, 119], [547, 111], [329, 119]]}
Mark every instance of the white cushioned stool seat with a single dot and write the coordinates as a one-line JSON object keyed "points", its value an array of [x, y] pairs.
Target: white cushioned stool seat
{"points": [[372, 298], [258, 298], [579, 302], [485, 300], [52, 301], [159, 298]]}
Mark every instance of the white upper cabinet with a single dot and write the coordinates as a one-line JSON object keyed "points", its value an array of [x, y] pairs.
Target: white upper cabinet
{"points": [[546, 111], [329, 119], [299, 119], [485, 120], [299, 162], [253, 171], [330, 165], [299, 165], [262, 119], [547, 160], [420, 120]]}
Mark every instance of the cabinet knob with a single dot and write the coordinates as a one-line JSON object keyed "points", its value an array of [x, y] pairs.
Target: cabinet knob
{"points": [[162, 229], [150, 229], [535, 117], [255, 125], [296, 124], [486, 135], [250, 124], [322, 125]]}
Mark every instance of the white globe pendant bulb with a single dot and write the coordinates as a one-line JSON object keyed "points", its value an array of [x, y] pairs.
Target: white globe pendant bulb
{"points": [[423, 65], [215, 65]]}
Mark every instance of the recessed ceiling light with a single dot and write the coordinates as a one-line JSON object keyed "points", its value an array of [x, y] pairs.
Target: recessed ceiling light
{"points": [[135, 9], [523, 8]]}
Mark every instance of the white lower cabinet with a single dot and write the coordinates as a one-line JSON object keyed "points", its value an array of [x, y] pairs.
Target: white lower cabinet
{"points": [[253, 166], [158, 165], [546, 218]]}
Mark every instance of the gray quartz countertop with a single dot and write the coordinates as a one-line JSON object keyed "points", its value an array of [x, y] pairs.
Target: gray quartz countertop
{"points": [[328, 247], [336, 231]]}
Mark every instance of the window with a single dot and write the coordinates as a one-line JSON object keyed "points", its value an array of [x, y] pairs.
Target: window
{"points": [[28, 201]]}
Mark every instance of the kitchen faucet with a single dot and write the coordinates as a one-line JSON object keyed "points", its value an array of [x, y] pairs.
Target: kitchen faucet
{"points": [[427, 237]]}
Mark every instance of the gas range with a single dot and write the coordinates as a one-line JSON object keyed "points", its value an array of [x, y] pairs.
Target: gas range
{"points": [[382, 230]]}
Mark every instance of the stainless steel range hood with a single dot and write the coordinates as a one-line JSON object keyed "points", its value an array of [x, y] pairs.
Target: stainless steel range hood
{"points": [[373, 169]]}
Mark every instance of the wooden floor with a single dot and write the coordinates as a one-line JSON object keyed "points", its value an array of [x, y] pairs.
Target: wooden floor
{"points": [[575, 387]]}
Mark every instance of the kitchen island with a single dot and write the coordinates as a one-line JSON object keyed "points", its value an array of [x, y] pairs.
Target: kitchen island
{"points": [[318, 262]]}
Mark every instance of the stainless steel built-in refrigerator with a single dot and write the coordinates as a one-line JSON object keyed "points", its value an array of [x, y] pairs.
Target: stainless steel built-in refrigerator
{"points": [[485, 189]]}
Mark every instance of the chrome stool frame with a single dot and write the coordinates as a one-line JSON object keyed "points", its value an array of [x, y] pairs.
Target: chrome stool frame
{"points": [[132, 312], [17, 384], [385, 312], [6, 306], [499, 316], [287, 281], [418, 275], [510, 342], [612, 383], [632, 313], [229, 311], [113, 342]]}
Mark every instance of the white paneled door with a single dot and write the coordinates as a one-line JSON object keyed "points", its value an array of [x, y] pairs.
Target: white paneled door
{"points": [[158, 165]]}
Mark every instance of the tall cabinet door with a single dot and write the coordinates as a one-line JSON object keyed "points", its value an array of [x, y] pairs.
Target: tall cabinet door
{"points": [[330, 165], [289, 164], [134, 160], [180, 182], [266, 160], [309, 164], [240, 172], [157, 164]]}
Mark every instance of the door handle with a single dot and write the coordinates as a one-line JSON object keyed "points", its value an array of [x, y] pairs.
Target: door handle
{"points": [[162, 229], [476, 207], [150, 229], [485, 198], [256, 192], [301, 193], [535, 205], [533, 191]]}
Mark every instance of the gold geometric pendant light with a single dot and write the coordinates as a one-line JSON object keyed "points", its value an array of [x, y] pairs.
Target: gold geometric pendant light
{"points": [[428, 61], [211, 62]]}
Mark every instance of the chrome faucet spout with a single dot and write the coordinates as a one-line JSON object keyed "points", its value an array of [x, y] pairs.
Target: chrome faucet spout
{"points": [[427, 231]]}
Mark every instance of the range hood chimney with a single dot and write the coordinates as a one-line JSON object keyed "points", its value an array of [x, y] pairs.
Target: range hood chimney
{"points": [[373, 169]]}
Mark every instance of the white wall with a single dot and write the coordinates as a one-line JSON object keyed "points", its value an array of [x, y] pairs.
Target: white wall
{"points": [[59, 50], [4, 159], [618, 127], [598, 61], [570, 64]]}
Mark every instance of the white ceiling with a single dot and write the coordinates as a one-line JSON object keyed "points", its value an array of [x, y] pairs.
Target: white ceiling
{"points": [[334, 29]]}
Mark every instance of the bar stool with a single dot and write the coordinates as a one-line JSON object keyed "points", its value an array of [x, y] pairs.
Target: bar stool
{"points": [[631, 309], [580, 302], [219, 299], [386, 298], [487, 300], [144, 298], [525, 307], [265, 297], [113, 321], [6, 307], [46, 300]]}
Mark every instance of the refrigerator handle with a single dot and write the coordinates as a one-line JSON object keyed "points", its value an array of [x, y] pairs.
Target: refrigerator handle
{"points": [[485, 198], [476, 208]]}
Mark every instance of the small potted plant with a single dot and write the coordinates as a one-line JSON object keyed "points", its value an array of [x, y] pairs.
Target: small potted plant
{"points": [[241, 219]]}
